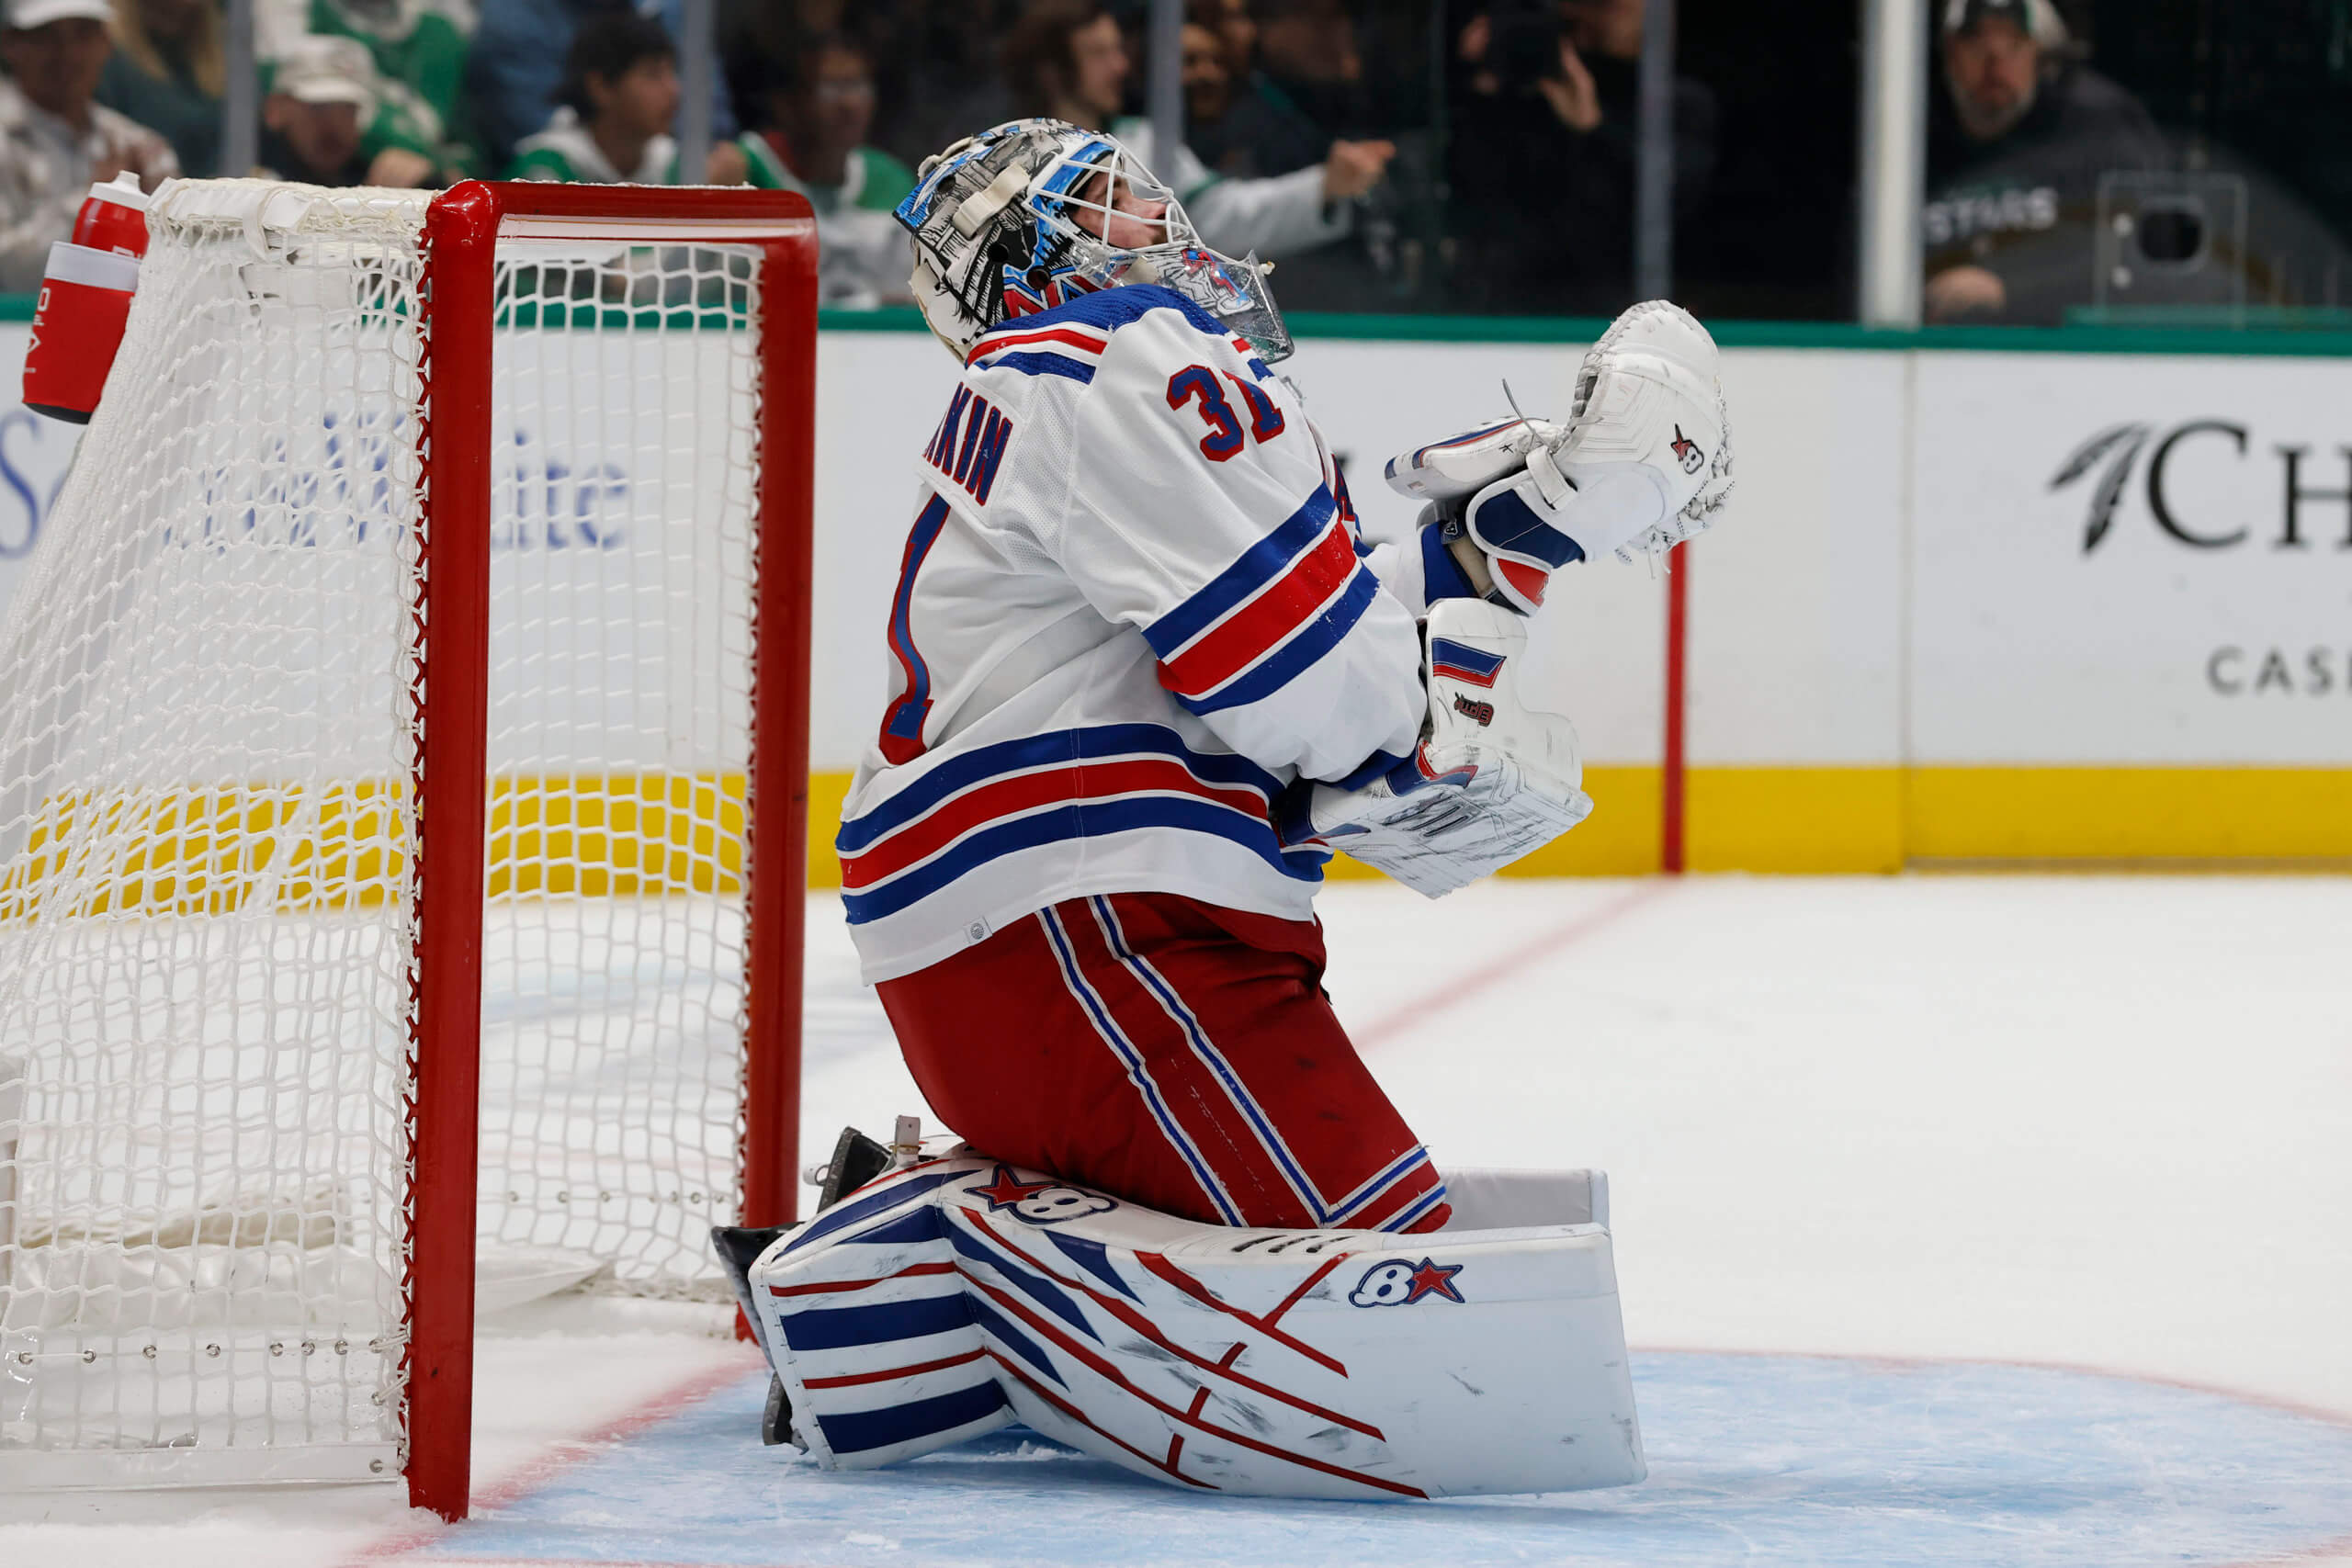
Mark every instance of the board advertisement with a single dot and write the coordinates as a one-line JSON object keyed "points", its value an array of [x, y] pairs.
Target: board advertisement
{"points": [[2124, 559], [35, 452], [1946, 575]]}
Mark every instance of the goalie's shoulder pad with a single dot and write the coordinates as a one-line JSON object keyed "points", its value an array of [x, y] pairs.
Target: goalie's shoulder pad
{"points": [[1071, 344]]}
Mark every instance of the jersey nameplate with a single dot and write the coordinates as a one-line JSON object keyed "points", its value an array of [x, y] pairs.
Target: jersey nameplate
{"points": [[970, 443]]}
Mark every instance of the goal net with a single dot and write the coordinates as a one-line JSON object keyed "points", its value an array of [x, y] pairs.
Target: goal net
{"points": [[404, 663]]}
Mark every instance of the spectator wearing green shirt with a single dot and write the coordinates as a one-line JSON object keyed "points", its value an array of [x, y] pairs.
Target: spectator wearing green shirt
{"points": [[618, 95], [813, 113], [167, 73], [323, 93], [418, 48]]}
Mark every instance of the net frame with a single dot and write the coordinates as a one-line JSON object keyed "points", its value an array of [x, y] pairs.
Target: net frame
{"points": [[455, 445], [447, 614]]}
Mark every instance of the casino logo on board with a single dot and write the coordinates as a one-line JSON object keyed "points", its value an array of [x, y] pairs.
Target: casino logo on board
{"points": [[2288, 494]]}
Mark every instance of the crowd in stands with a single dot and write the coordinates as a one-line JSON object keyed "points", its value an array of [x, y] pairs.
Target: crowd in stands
{"points": [[1293, 149], [1392, 154]]}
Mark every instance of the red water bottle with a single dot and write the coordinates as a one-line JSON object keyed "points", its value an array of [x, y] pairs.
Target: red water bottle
{"points": [[84, 300]]}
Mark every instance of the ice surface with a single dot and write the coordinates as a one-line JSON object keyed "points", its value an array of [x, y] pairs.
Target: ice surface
{"points": [[1753, 1458], [2105, 1122]]}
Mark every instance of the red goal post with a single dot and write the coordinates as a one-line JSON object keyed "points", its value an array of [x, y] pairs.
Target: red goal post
{"points": [[463, 229], [403, 815]]}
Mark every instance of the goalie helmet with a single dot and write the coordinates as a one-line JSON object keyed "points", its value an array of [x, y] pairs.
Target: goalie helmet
{"points": [[1033, 213]]}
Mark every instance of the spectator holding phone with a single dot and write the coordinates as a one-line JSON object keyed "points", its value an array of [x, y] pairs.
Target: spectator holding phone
{"points": [[1546, 137]]}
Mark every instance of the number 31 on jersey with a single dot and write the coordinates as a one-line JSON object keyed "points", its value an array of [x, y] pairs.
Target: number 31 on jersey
{"points": [[1198, 384]]}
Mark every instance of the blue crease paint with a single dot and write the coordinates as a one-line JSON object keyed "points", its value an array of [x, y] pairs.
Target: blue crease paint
{"points": [[1754, 1460]]}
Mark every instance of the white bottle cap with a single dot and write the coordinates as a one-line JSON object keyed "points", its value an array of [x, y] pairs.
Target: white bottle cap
{"points": [[123, 190]]}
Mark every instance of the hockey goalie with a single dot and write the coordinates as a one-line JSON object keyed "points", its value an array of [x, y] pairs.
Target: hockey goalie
{"points": [[1147, 679]]}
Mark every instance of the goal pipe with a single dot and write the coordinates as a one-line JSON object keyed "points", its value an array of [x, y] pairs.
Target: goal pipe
{"points": [[1673, 774], [451, 632]]}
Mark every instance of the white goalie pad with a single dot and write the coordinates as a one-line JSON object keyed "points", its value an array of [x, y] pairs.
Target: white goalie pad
{"points": [[1491, 781], [964, 1294]]}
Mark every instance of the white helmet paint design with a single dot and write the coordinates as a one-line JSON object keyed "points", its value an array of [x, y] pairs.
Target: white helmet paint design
{"points": [[1020, 218]]}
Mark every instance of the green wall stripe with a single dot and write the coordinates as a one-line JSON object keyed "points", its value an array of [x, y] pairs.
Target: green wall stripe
{"points": [[1308, 326], [1313, 325]]}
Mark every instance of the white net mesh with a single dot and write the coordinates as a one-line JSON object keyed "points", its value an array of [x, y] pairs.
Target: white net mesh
{"points": [[207, 738]]}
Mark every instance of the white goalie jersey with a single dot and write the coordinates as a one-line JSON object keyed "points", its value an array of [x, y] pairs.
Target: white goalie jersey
{"points": [[1132, 610]]}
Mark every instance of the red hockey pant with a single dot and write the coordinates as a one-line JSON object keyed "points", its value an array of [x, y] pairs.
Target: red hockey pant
{"points": [[1171, 1053]]}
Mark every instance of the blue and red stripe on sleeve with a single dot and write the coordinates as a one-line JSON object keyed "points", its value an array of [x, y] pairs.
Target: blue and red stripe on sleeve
{"points": [[978, 806], [1071, 350], [1284, 604]]}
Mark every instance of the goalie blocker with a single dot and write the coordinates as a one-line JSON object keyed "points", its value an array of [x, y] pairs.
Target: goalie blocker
{"points": [[1491, 780], [962, 1295]]}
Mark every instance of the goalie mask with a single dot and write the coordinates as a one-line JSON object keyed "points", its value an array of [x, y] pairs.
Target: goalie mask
{"points": [[1033, 213]]}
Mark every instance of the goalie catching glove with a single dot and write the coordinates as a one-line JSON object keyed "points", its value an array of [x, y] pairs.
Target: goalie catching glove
{"points": [[1490, 781], [1643, 463]]}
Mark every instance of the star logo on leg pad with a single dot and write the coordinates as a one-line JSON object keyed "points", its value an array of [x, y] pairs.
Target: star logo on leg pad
{"points": [[1399, 1282], [1434, 1280], [1006, 1190], [1039, 1202]]}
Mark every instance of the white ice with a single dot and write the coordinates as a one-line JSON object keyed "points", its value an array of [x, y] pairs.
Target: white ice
{"points": [[2103, 1121]]}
